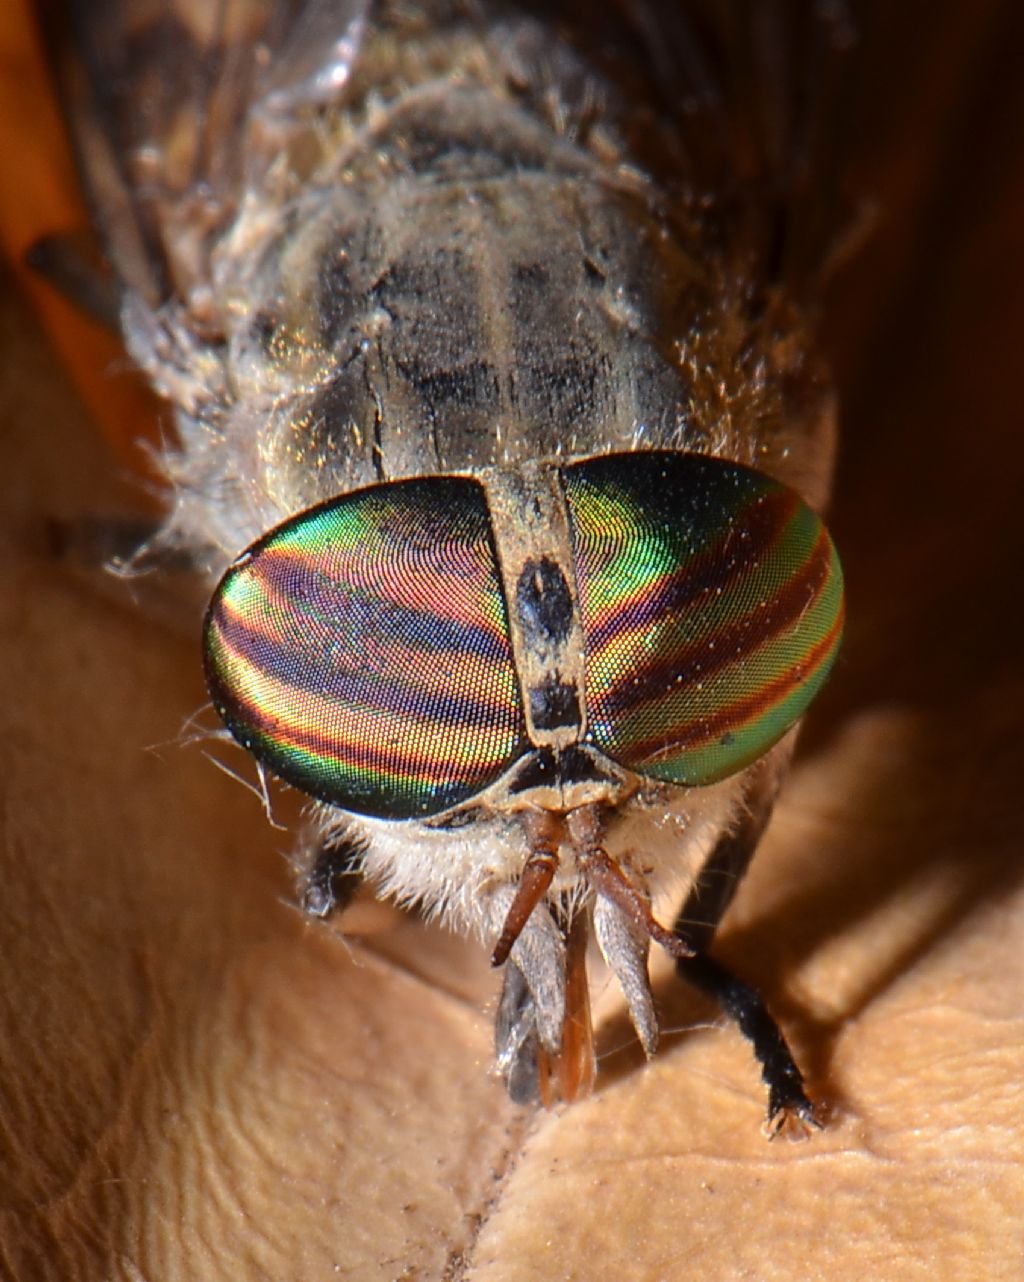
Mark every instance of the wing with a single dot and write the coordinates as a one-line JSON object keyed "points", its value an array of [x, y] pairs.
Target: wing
{"points": [[173, 104]]}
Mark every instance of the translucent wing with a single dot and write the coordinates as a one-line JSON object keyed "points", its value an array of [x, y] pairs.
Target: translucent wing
{"points": [[174, 104]]}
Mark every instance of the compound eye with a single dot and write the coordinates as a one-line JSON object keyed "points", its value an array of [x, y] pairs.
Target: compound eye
{"points": [[712, 607], [361, 650]]}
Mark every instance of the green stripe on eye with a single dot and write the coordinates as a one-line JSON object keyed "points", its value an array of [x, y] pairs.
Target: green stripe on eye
{"points": [[361, 650], [712, 608]]}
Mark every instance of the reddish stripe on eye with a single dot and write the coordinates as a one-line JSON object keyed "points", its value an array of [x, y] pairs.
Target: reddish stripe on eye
{"points": [[711, 601], [362, 652]]}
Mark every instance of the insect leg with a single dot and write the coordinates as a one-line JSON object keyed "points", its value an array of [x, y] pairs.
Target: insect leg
{"points": [[333, 876], [714, 889], [740, 1001], [533, 885], [745, 1006], [121, 543], [70, 262], [114, 555]]}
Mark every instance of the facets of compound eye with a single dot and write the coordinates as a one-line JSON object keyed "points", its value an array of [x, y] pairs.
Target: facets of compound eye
{"points": [[712, 607], [361, 650]]}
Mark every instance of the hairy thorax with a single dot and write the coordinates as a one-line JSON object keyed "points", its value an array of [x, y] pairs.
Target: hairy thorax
{"points": [[457, 276]]}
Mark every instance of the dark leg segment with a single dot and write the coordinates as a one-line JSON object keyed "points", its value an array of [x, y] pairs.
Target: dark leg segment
{"points": [[744, 1004], [536, 877], [71, 262], [740, 1001], [113, 542], [715, 887], [332, 877]]}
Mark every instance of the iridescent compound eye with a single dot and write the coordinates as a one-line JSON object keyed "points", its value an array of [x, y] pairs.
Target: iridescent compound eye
{"points": [[361, 650], [712, 607]]}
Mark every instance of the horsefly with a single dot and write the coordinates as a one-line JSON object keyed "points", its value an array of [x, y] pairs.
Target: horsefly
{"points": [[501, 437]]}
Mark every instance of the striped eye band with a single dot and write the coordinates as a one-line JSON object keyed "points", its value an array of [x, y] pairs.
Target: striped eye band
{"points": [[361, 650], [712, 609]]}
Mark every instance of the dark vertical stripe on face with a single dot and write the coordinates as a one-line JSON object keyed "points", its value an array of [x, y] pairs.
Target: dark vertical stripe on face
{"points": [[554, 705], [544, 603]]}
